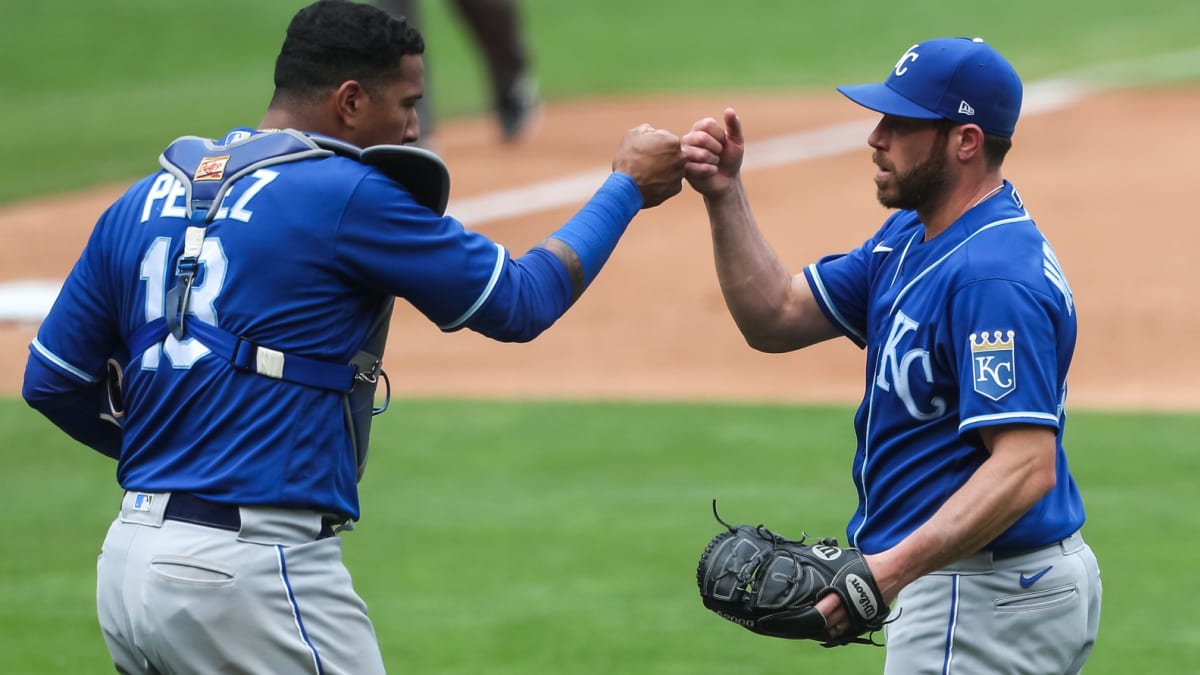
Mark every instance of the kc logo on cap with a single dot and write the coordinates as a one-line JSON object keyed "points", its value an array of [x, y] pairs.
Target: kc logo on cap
{"points": [[910, 55], [960, 79]]}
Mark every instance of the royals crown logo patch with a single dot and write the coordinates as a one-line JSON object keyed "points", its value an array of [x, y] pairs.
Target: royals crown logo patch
{"points": [[993, 363]]}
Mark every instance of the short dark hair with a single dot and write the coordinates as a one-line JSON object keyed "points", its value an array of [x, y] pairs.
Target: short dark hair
{"points": [[332, 41], [995, 148]]}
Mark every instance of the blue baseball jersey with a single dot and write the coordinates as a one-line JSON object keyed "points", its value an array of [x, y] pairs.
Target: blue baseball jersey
{"points": [[975, 327], [299, 258]]}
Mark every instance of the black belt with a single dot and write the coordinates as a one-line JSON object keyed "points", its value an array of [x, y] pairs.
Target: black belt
{"points": [[188, 508], [1012, 553]]}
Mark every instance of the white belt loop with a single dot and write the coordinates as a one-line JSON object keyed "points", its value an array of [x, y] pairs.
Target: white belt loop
{"points": [[1072, 543]]}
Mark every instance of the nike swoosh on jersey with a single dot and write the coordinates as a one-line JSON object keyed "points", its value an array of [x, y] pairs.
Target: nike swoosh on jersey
{"points": [[1027, 581], [880, 248]]}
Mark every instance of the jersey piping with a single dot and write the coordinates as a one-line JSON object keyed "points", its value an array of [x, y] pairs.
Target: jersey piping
{"points": [[56, 360], [484, 295], [833, 310], [1011, 416]]}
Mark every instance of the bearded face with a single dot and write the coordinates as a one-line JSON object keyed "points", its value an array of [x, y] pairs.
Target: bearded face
{"points": [[919, 186]]}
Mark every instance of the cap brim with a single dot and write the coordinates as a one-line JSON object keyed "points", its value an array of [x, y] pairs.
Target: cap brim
{"points": [[881, 98]]}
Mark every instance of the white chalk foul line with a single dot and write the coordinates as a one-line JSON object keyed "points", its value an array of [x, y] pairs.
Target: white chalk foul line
{"points": [[779, 151], [520, 201], [27, 300]]}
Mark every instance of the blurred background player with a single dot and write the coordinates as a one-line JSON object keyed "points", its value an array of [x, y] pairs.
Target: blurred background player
{"points": [[498, 30]]}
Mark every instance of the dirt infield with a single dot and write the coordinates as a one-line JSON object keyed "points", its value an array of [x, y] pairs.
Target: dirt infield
{"points": [[1105, 178]]}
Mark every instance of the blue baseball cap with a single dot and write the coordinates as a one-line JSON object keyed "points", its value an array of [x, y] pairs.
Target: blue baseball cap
{"points": [[960, 79]]}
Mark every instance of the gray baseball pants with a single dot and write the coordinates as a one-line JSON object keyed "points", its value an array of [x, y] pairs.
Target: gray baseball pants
{"points": [[1036, 613], [271, 597]]}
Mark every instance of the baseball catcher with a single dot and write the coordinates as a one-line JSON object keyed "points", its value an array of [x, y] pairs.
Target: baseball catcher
{"points": [[770, 585]]}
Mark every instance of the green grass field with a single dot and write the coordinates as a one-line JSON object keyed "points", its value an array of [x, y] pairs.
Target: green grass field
{"points": [[489, 530], [529, 537]]}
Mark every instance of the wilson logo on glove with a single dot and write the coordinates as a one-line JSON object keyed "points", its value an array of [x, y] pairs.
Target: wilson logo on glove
{"points": [[826, 552], [865, 600]]}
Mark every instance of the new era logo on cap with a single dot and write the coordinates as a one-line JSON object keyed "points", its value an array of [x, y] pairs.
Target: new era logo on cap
{"points": [[960, 79]]}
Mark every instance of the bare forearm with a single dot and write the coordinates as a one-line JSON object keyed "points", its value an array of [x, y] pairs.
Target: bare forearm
{"points": [[753, 280], [774, 310]]}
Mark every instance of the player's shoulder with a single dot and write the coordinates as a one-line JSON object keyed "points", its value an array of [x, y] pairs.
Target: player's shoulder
{"points": [[1002, 230], [1015, 251], [138, 189], [332, 171], [1012, 234], [1005, 242], [132, 200]]}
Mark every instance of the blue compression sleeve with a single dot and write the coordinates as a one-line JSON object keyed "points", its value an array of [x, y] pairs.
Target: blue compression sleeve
{"points": [[593, 232], [531, 294]]}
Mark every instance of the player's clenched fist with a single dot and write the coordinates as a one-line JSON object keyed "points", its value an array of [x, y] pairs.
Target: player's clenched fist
{"points": [[654, 159], [714, 153]]}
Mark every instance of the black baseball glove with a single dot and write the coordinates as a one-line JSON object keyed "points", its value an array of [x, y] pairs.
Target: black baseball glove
{"points": [[770, 585]]}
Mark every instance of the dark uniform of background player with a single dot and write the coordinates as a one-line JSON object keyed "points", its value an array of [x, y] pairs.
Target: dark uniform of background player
{"points": [[499, 33]]}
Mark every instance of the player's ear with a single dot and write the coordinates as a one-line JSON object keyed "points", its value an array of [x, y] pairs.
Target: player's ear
{"points": [[348, 100], [968, 139]]}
